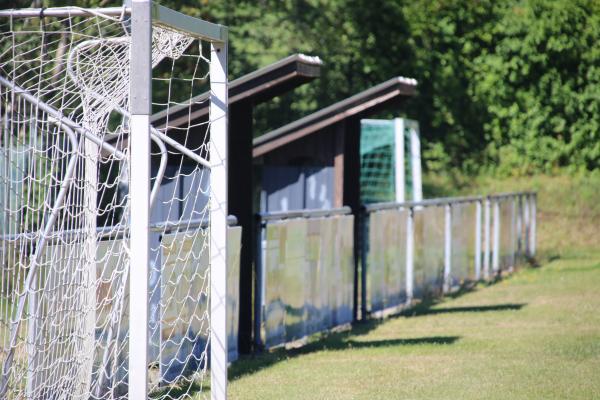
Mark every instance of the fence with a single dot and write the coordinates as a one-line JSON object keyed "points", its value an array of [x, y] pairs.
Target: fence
{"points": [[305, 274], [417, 249]]}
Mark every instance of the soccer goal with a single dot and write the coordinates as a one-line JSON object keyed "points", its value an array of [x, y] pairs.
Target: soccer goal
{"points": [[390, 160], [113, 218]]}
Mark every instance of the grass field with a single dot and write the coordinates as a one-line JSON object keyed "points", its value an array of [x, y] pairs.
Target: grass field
{"points": [[534, 335]]}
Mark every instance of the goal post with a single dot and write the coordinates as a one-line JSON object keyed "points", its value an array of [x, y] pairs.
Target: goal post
{"points": [[113, 254], [140, 106], [218, 217]]}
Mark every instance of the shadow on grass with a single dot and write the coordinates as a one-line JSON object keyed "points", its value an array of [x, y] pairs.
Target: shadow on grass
{"points": [[357, 344], [332, 342], [248, 364], [417, 311], [427, 306]]}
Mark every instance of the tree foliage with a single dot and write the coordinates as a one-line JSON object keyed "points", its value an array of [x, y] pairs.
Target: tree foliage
{"points": [[509, 86], [540, 84]]}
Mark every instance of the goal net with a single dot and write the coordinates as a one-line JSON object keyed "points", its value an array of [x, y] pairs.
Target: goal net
{"points": [[66, 255], [390, 161]]}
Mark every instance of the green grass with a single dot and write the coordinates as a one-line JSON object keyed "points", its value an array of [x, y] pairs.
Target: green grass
{"points": [[534, 335]]}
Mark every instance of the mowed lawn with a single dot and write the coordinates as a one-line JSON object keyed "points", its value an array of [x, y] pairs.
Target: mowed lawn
{"points": [[533, 335]]}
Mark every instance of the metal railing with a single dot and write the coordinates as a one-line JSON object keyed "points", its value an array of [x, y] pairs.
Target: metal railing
{"points": [[304, 274], [413, 250]]}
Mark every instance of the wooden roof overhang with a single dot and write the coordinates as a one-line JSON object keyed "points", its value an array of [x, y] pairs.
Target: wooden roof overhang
{"points": [[255, 87], [362, 103]]}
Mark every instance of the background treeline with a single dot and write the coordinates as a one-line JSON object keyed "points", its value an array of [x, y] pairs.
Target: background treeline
{"points": [[509, 87]]}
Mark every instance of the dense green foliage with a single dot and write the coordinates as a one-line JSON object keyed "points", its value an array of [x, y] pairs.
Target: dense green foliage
{"points": [[540, 86], [505, 86]]}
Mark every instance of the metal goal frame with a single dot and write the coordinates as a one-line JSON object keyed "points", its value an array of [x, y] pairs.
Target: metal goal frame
{"points": [[144, 14]]}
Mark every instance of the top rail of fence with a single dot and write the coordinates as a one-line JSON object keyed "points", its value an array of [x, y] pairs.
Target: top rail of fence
{"points": [[161, 15], [281, 215], [442, 201]]}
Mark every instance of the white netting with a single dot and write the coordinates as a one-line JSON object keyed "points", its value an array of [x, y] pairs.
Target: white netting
{"points": [[64, 258]]}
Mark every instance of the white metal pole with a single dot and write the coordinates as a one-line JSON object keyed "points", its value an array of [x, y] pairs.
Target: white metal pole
{"points": [[218, 221], [399, 169], [410, 247], [513, 233], [32, 340], [91, 213], [447, 247], [496, 248], [478, 240], [527, 232], [532, 231], [364, 242], [259, 287], [140, 103], [415, 156], [486, 243]]}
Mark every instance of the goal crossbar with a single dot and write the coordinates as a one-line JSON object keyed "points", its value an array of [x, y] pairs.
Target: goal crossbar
{"points": [[161, 15]]}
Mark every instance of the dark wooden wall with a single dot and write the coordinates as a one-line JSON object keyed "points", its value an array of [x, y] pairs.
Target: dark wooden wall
{"points": [[314, 150], [240, 205], [351, 189]]}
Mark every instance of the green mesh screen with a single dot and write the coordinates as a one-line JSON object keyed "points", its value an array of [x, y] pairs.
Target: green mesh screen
{"points": [[377, 160]]}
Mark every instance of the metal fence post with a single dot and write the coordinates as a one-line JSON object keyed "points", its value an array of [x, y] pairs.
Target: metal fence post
{"points": [[514, 237], [364, 238], [478, 240], [519, 226], [140, 104], [486, 243], [410, 247], [496, 245], [218, 112], [447, 246], [527, 232], [532, 232], [259, 283]]}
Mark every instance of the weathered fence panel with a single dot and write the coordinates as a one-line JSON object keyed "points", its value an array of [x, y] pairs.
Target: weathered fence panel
{"points": [[305, 275], [415, 250]]}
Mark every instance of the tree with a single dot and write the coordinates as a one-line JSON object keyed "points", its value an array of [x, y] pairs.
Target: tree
{"points": [[510, 86]]}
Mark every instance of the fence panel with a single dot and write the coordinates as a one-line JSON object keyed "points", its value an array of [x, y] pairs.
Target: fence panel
{"points": [[234, 247], [508, 234], [413, 250], [463, 243], [429, 251], [511, 226], [386, 280], [305, 276]]}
